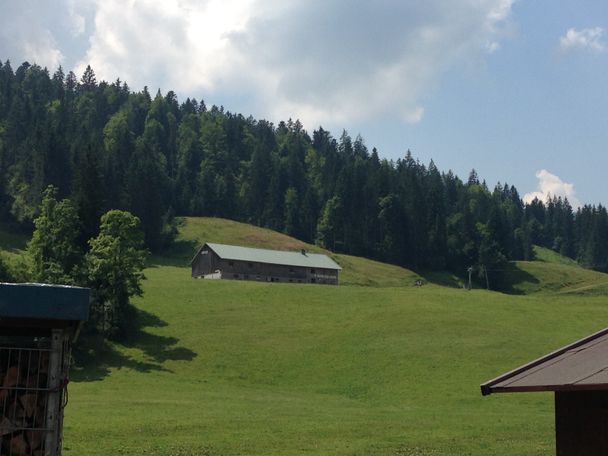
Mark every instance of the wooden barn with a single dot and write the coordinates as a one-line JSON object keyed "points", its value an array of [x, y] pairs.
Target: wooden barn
{"points": [[578, 375], [219, 261]]}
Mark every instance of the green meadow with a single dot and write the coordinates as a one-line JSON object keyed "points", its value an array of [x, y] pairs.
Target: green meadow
{"points": [[375, 366]]}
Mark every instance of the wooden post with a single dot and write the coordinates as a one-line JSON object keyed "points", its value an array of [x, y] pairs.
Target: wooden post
{"points": [[487, 281], [51, 442]]}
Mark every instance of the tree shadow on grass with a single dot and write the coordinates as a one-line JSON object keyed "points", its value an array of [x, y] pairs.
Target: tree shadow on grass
{"points": [[513, 280], [179, 254], [95, 357], [442, 278], [510, 280]]}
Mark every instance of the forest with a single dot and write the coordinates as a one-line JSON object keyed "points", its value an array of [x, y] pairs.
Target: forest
{"points": [[103, 147]]}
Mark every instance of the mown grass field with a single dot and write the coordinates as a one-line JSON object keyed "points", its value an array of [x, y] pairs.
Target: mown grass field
{"points": [[555, 274], [238, 368]]}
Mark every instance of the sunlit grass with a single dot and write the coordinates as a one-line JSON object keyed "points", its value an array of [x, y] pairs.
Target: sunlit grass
{"points": [[239, 368], [255, 368]]}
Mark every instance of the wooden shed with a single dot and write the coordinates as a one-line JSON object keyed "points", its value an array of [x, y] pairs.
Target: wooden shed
{"points": [[37, 325], [220, 261], [578, 375]]}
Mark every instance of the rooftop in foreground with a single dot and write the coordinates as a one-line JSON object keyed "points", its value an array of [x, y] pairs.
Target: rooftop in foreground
{"points": [[580, 366], [44, 301]]}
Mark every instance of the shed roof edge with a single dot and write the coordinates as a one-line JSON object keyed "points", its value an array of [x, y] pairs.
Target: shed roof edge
{"points": [[486, 388]]}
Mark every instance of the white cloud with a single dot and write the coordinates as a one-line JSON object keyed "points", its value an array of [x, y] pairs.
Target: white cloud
{"points": [[550, 185], [330, 61], [492, 47], [173, 44], [585, 39], [75, 19], [26, 35], [42, 49]]}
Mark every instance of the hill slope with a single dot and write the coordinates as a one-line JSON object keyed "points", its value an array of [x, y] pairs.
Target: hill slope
{"points": [[235, 368], [553, 273], [550, 273], [194, 231]]}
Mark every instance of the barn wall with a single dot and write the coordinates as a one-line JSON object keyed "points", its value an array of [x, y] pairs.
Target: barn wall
{"points": [[243, 270], [206, 264], [581, 423], [320, 275]]}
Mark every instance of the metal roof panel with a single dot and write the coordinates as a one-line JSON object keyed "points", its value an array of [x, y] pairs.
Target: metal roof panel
{"points": [[44, 301], [306, 259]]}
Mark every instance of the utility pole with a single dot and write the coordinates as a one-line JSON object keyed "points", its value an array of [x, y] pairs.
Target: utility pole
{"points": [[487, 280], [470, 271]]}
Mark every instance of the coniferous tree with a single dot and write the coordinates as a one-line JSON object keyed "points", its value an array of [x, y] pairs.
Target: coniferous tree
{"points": [[154, 156], [88, 80], [88, 194], [329, 225], [292, 212]]}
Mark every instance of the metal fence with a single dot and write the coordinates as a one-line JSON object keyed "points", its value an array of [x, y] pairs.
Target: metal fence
{"points": [[34, 376]]}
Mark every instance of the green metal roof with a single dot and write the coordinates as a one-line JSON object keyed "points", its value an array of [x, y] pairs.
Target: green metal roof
{"points": [[43, 301], [306, 259]]}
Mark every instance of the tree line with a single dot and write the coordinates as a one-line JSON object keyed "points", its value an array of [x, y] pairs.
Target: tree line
{"points": [[105, 147]]}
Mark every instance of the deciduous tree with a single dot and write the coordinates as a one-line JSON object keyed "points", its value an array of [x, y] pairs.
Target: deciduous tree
{"points": [[54, 251], [114, 270]]}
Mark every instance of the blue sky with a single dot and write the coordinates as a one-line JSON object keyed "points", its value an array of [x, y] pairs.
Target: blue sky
{"points": [[528, 106], [512, 88]]}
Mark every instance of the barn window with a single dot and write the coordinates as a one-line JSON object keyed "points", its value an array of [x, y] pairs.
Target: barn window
{"points": [[312, 271], [231, 263], [205, 252]]}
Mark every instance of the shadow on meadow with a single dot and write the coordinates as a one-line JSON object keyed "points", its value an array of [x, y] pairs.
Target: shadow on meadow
{"points": [[512, 279], [94, 356], [442, 278], [11, 240], [179, 254]]}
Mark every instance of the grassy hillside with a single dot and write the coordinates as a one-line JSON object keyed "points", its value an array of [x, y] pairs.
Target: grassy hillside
{"points": [[233, 368], [12, 248], [550, 256], [553, 273], [194, 231], [248, 368]]}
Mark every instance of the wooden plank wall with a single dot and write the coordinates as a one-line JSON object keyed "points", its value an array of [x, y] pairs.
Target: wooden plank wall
{"points": [[242, 270], [581, 423]]}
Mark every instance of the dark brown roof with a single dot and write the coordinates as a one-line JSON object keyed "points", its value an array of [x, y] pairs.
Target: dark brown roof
{"points": [[582, 365]]}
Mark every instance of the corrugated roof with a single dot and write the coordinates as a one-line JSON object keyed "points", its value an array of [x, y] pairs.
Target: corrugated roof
{"points": [[43, 301], [307, 259], [582, 365]]}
